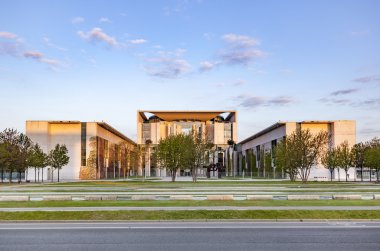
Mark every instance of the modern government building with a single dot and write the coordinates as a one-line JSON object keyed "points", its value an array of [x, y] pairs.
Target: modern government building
{"points": [[98, 151]]}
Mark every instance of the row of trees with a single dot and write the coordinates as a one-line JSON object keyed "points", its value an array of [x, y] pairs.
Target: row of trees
{"points": [[183, 151], [302, 150], [18, 153], [360, 155]]}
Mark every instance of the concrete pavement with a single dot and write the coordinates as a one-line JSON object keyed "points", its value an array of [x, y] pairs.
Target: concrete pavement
{"points": [[212, 208]]}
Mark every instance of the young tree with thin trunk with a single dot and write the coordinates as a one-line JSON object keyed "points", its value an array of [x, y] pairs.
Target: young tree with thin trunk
{"points": [[196, 151], [358, 151], [37, 159], [58, 157], [330, 160], [345, 157], [372, 156]]}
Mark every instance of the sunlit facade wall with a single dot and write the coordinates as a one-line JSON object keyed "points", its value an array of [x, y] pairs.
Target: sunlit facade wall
{"points": [[262, 144], [96, 150]]}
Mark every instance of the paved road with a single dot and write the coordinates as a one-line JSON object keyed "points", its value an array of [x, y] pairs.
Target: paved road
{"points": [[191, 236], [54, 209]]}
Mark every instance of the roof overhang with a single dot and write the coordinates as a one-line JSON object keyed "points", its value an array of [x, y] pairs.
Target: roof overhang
{"points": [[187, 115]]}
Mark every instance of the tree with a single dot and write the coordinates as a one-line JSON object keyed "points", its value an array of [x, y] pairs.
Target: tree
{"points": [[372, 156], [173, 152], [37, 159], [15, 150], [286, 158], [231, 144], [345, 157], [243, 164], [268, 162], [358, 151], [300, 151], [196, 152], [330, 160], [58, 158]]}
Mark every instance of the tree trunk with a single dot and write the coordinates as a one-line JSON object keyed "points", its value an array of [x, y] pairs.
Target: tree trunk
{"points": [[346, 174], [338, 174], [35, 175], [174, 173], [42, 175], [331, 174], [361, 172], [2, 175], [370, 175], [52, 175], [10, 175], [58, 174]]}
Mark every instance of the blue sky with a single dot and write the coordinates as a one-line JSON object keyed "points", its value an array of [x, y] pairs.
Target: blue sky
{"points": [[269, 60]]}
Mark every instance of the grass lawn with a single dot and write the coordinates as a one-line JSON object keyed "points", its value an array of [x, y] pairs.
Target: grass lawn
{"points": [[189, 203], [188, 215]]}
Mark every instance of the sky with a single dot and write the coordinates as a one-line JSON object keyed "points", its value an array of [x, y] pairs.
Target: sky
{"points": [[269, 60]]}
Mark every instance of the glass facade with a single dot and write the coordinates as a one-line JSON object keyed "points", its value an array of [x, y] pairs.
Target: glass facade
{"points": [[83, 144]]}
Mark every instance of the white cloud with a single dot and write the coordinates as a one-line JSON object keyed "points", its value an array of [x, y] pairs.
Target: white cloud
{"points": [[104, 20], [38, 56], [138, 41], [167, 64], [169, 68], [240, 40], [96, 34], [207, 66], [240, 50], [7, 35], [48, 42], [77, 20]]}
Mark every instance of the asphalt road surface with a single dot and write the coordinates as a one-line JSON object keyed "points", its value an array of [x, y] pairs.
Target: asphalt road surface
{"points": [[191, 236]]}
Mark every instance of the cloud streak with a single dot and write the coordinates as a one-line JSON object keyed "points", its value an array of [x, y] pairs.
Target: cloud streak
{"points": [[38, 56], [258, 101], [368, 79], [343, 92], [97, 35], [138, 41]]}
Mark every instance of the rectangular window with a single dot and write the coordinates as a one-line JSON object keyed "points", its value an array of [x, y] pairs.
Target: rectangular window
{"points": [[83, 142]]}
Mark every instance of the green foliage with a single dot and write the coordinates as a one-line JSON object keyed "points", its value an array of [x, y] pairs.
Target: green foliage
{"points": [[299, 151], [14, 152], [330, 160], [345, 157], [174, 152], [58, 157], [183, 151], [372, 155]]}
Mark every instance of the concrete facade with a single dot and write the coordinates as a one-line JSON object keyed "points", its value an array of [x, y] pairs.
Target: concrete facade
{"points": [[95, 149], [265, 140], [217, 127]]}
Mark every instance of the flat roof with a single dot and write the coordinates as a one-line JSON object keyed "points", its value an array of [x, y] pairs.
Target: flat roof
{"points": [[187, 115], [101, 124], [281, 123], [262, 132]]}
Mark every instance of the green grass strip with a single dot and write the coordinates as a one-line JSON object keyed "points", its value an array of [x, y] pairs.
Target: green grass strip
{"points": [[189, 215]]}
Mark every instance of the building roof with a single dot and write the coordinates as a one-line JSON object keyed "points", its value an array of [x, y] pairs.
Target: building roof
{"points": [[187, 115], [266, 130], [280, 123], [101, 124]]}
